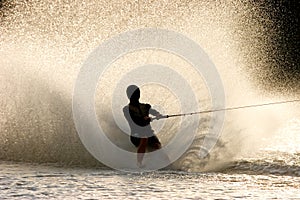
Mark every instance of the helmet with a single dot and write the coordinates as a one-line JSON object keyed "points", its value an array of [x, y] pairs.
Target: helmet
{"points": [[133, 92]]}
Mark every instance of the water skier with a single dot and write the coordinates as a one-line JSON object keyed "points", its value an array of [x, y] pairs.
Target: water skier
{"points": [[137, 115]]}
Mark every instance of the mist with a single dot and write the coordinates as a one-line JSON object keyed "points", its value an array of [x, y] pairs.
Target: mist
{"points": [[43, 45]]}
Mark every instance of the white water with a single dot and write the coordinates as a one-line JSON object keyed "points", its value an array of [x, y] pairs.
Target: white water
{"points": [[43, 46]]}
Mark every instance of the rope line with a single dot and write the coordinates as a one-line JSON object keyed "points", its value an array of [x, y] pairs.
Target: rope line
{"points": [[228, 109]]}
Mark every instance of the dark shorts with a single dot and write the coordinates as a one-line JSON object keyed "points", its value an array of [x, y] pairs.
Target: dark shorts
{"points": [[152, 141]]}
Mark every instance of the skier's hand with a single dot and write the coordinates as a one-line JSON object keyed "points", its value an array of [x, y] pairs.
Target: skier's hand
{"points": [[147, 118]]}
